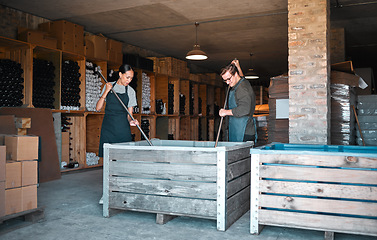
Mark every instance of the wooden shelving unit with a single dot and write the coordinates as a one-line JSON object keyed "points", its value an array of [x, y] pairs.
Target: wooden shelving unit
{"points": [[85, 129]]}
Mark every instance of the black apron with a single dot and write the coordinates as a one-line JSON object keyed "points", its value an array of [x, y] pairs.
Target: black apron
{"points": [[115, 125]]}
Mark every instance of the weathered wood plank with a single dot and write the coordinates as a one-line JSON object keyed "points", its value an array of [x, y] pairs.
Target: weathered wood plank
{"points": [[164, 171], [235, 155], [237, 206], [233, 204], [190, 189], [321, 160], [319, 189], [318, 174], [238, 168], [319, 205], [235, 215], [163, 204], [164, 218], [237, 184], [163, 155], [318, 222]]}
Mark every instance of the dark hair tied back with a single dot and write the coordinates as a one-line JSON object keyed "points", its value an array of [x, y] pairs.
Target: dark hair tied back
{"points": [[124, 68]]}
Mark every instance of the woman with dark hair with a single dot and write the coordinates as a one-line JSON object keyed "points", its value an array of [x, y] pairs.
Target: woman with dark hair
{"points": [[241, 104], [116, 122]]}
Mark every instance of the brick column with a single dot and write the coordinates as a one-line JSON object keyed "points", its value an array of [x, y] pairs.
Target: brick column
{"points": [[309, 71]]}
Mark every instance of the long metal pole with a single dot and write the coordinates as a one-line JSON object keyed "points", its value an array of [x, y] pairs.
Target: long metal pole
{"points": [[121, 102], [221, 121]]}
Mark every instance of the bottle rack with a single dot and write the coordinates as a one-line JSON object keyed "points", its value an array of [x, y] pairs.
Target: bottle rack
{"points": [[20, 52]]}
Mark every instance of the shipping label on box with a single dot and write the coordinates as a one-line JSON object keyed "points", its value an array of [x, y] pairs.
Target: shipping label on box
{"points": [[29, 197], [13, 201], [21, 148], [2, 163], [2, 199], [13, 174], [29, 173]]}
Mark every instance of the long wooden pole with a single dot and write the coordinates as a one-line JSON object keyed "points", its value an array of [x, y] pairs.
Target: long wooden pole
{"points": [[121, 102], [221, 121], [358, 124]]}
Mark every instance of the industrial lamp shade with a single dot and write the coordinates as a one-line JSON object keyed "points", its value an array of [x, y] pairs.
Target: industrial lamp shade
{"points": [[251, 75], [196, 54]]}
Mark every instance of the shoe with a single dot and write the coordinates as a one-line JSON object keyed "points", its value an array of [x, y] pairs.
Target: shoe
{"points": [[101, 200]]}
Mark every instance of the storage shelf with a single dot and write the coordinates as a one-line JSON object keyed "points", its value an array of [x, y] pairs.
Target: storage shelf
{"points": [[86, 128]]}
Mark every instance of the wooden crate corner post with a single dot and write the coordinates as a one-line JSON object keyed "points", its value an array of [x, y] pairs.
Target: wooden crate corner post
{"points": [[254, 195], [221, 190]]}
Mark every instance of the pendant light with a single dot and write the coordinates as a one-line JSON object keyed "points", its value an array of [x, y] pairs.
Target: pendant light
{"points": [[196, 53], [250, 73]]}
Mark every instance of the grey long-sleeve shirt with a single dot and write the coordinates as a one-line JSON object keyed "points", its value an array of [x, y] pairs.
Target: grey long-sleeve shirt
{"points": [[245, 99]]}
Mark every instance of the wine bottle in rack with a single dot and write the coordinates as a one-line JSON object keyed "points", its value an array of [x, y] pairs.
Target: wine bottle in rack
{"points": [[11, 83]]}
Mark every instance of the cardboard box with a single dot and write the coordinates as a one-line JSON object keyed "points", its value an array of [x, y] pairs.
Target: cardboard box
{"points": [[115, 57], [13, 201], [29, 197], [13, 174], [29, 173], [115, 46], [21, 148], [100, 46], [38, 37], [2, 199], [63, 31], [89, 49], [2, 163]]}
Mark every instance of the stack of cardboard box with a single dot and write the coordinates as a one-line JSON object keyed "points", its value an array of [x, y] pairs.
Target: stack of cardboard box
{"points": [[70, 36], [18, 174]]}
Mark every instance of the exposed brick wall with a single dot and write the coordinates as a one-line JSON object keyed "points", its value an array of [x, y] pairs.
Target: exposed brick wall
{"points": [[309, 71]]}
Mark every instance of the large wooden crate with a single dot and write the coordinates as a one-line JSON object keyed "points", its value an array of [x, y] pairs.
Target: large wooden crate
{"points": [[318, 187], [180, 178]]}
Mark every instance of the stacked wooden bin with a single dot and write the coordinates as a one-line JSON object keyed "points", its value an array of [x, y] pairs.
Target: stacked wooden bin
{"points": [[18, 176], [278, 126]]}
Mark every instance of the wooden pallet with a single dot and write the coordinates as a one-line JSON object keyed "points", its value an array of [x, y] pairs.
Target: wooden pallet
{"points": [[15, 221]]}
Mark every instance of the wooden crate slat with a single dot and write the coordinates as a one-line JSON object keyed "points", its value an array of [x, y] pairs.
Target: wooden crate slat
{"points": [[238, 154], [232, 217], [238, 168], [318, 222], [164, 171], [318, 174], [319, 189], [191, 189], [237, 184], [321, 160], [199, 157], [237, 200], [319, 205], [163, 204]]}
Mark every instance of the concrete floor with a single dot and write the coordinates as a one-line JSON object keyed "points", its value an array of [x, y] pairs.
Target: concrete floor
{"points": [[72, 212]]}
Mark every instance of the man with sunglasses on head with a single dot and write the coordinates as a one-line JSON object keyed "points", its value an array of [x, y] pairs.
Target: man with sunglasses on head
{"points": [[241, 104]]}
